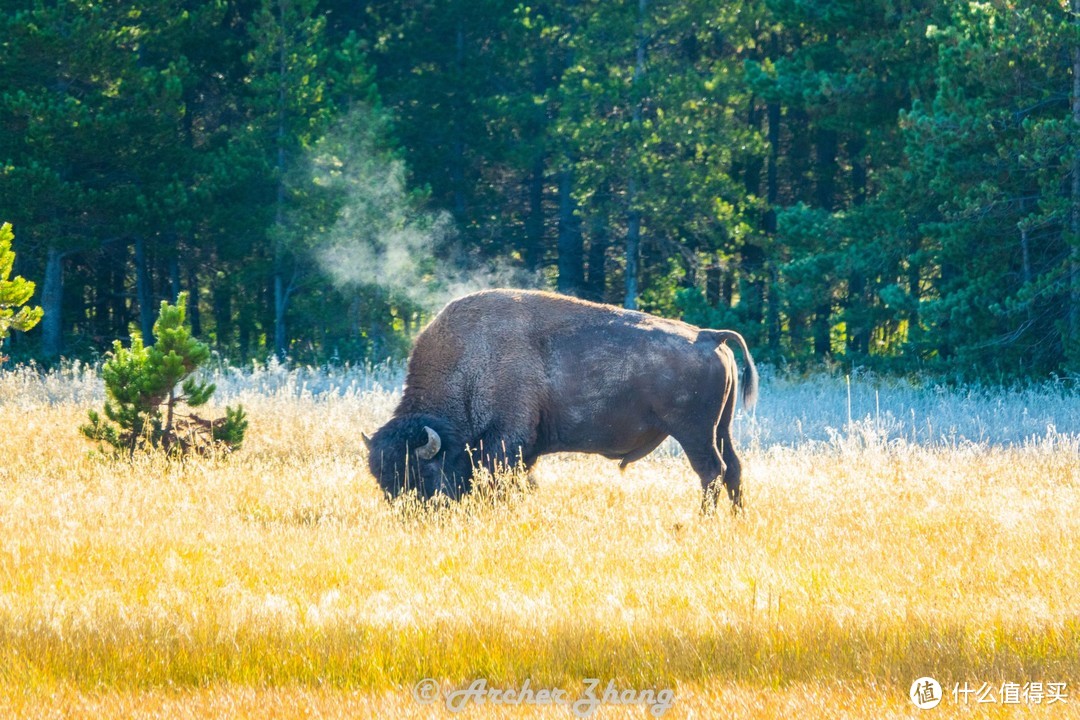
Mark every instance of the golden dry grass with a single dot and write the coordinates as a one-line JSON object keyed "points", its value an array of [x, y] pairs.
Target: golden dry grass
{"points": [[277, 583]]}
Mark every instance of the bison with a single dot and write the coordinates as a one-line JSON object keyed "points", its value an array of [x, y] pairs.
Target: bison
{"points": [[501, 377]]}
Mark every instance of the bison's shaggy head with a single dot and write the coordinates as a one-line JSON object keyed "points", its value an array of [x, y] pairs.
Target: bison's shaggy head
{"points": [[420, 452]]}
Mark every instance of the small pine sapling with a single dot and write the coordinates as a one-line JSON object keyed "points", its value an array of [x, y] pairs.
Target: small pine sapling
{"points": [[151, 390]]}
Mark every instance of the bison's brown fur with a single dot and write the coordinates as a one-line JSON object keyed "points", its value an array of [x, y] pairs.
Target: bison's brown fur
{"points": [[503, 376]]}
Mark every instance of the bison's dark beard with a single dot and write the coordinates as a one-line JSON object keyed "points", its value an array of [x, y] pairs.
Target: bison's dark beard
{"points": [[394, 461]]}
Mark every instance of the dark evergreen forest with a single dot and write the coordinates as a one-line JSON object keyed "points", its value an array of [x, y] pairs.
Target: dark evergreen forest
{"points": [[892, 184]]}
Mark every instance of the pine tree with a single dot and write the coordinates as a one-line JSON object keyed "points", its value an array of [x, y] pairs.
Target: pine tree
{"points": [[835, 77], [652, 113], [992, 150], [14, 293], [149, 387]]}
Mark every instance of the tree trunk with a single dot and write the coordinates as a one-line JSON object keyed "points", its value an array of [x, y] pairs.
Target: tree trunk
{"points": [[858, 330], [825, 190], [945, 340], [280, 298], [457, 146], [170, 404], [822, 331], [571, 248], [826, 148], [596, 285], [193, 302], [772, 172], [52, 300], [121, 311], [245, 327], [713, 285], [633, 226], [1074, 253], [755, 164], [223, 315], [857, 317], [143, 292], [772, 310], [914, 273], [534, 221], [771, 300], [280, 303], [797, 160], [752, 286], [750, 269], [104, 267], [691, 265], [174, 275], [633, 251], [1025, 268]]}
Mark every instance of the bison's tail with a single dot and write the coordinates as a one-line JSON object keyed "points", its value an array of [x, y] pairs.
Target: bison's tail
{"points": [[749, 380]]}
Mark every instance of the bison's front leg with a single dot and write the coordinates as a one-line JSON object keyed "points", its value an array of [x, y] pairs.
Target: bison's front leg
{"points": [[499, 452]]}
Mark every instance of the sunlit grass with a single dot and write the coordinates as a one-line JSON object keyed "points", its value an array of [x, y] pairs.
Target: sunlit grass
{"points": [[277, 582]]}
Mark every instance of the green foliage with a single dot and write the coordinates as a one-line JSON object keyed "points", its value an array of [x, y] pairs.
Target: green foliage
{"points": [[990, 152], [148, 387], [890, 183], [14, 292]]}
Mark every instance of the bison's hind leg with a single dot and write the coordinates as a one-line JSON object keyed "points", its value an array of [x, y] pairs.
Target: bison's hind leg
{"points": [[710, 497], [700, 449], [733, 467], [733, 471]]}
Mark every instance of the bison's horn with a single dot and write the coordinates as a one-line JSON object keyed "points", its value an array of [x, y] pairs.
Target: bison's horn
{"points": [[366, 439], [434, 443]]}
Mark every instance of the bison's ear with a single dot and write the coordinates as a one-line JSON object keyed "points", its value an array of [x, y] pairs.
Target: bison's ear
{"points": [[366, 439]]}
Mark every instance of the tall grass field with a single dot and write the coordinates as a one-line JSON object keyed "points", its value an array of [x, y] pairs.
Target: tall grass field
{"points": [[892, 531]]}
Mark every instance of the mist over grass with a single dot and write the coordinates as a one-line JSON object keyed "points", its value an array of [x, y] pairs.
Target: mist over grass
{"points": [[797, 410], [792, 411]]}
